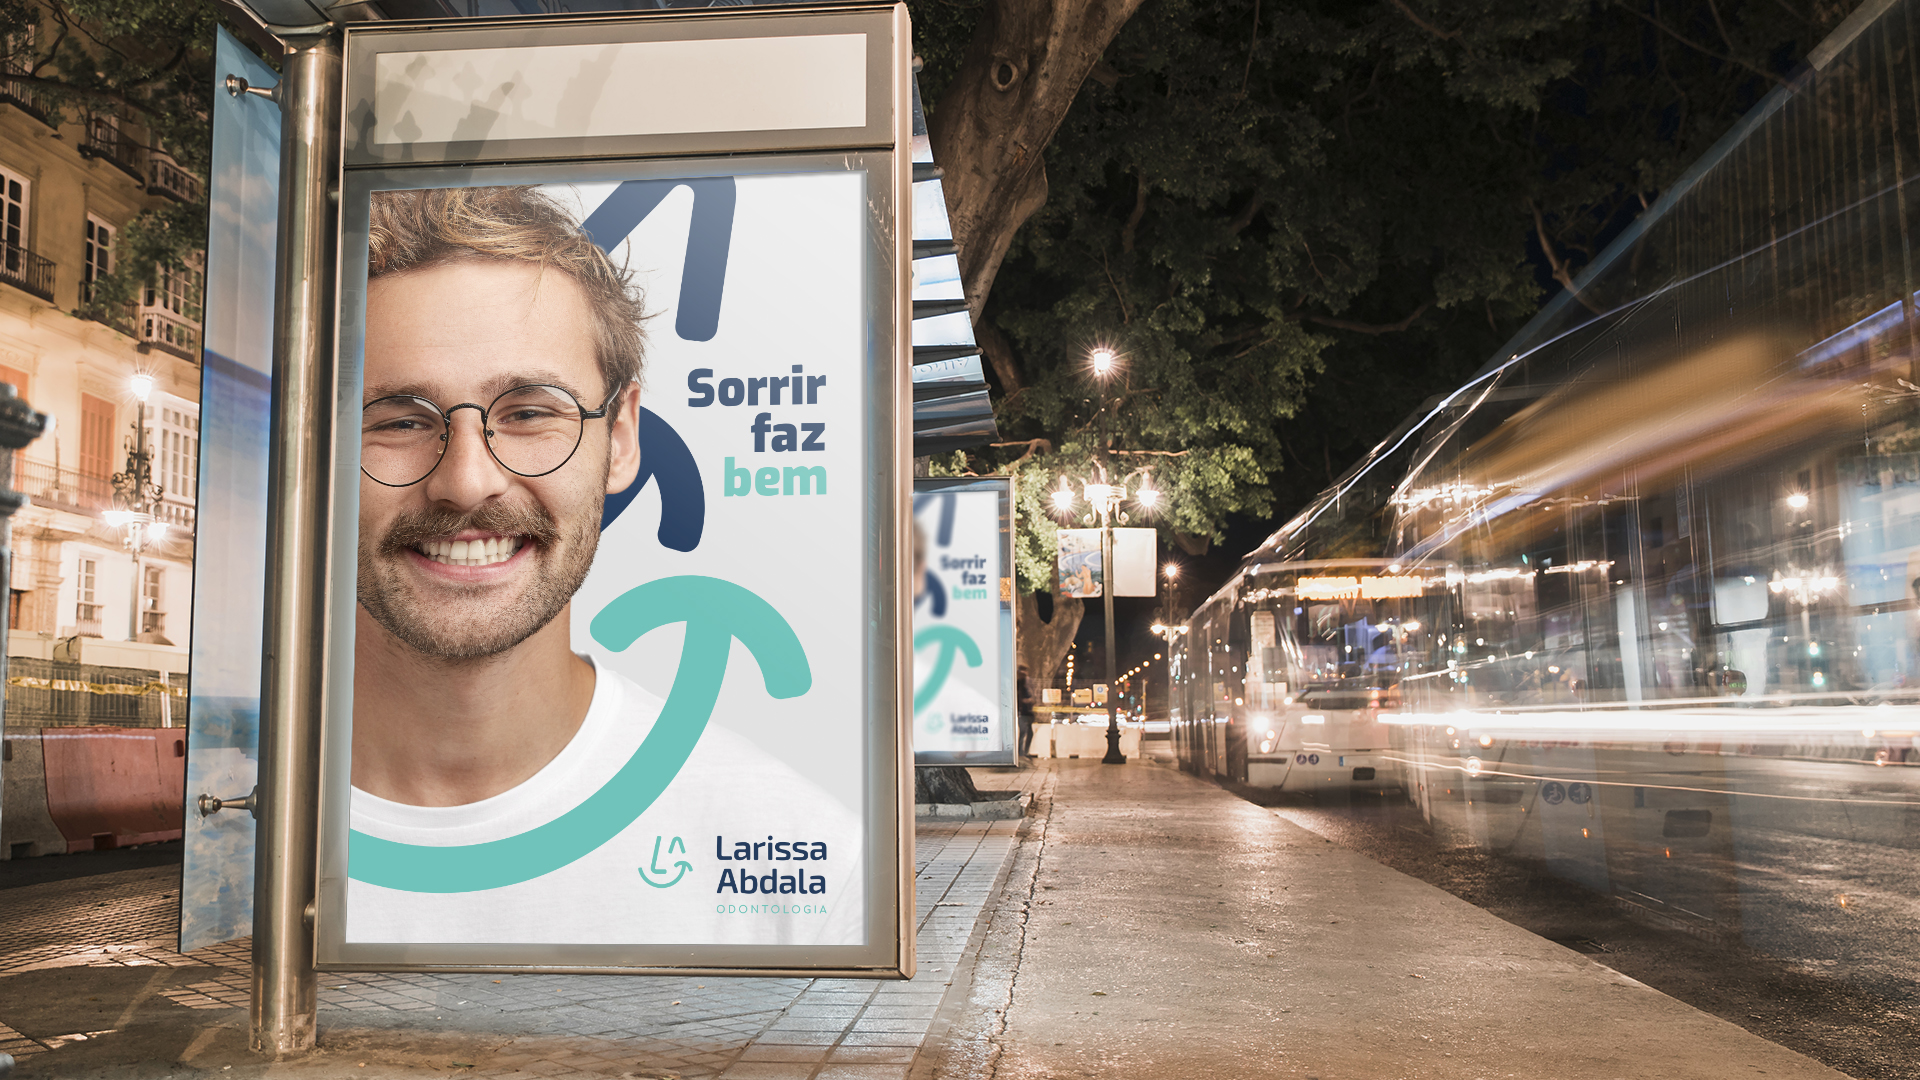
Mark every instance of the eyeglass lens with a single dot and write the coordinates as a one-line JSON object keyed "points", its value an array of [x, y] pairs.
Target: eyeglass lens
{"points": [[530, 430]]}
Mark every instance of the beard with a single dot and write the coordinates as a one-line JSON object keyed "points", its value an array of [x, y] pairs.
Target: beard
{"points": [[472, 622]]}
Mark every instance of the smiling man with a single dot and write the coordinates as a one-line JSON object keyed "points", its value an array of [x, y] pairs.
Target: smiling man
{"points": [[501, 406]]}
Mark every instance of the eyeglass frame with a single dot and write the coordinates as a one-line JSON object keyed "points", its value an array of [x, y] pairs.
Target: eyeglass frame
{"points": [[486, 433]]}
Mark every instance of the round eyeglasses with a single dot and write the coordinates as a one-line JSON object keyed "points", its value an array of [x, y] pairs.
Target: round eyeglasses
{"points": [[530, 430]]}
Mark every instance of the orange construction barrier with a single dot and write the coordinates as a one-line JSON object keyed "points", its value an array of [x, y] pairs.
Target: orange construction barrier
{"points": [[109, 787]]}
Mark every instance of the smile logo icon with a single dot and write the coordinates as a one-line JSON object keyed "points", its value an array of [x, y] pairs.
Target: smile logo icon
{"points": [[685, 867]]}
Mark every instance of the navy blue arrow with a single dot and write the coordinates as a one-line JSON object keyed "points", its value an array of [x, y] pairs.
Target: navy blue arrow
{"points": [[683, 498], [944, 534], [663, 453], [709, 239], [936, 594]]}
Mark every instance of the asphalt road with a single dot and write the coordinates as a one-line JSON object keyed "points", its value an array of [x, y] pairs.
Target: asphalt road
{"points": [[1808, 940]]}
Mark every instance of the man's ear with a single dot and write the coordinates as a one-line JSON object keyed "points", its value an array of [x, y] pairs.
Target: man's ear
{"points": [[623, 462]]}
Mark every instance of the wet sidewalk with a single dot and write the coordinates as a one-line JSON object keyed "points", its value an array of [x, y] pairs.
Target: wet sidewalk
{"points": [[90, 987], [1140, 923], [1156, 926]]}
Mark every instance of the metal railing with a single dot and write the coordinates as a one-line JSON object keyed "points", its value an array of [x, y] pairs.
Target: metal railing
{"points": [[24, 270], [164, 330], [166, 177], [21, 95], [56, 693], [104, 140], [48, 485], [122, 317]]}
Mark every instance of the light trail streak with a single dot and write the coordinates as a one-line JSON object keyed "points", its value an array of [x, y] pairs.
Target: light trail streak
{"points": [[1859, 721], [1483, 771]]}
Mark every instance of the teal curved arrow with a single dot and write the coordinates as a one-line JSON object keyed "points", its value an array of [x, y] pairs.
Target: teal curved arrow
{"points": [[715, 612], [951, 639], [685, 868]]}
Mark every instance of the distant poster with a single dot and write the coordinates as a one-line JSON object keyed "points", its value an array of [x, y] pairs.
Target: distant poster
{"points": [[230, 536], [1081, 569], [963, 675], [1135, 558], [619, 570]]}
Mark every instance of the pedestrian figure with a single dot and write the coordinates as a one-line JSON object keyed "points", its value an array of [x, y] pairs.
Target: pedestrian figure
{"points": [[1025, 690]]}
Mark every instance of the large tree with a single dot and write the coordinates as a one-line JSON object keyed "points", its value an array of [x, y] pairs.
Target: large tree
{"points": [[1295, 223]]}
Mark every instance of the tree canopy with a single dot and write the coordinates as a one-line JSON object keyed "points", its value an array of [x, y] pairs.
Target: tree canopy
{"points": [[1295, 222], [147, 63]]}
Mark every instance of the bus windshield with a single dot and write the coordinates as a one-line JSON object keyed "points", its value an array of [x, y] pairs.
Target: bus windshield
{"points": [[1323, 634]]}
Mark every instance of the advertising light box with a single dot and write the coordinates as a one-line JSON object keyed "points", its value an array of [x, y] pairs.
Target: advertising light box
{"points": [[618, 650], [963, 672]]}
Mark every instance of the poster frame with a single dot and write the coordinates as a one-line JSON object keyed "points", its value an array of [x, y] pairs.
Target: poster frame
{"points": [[364, 44], [1008, 752], [888, 824]]}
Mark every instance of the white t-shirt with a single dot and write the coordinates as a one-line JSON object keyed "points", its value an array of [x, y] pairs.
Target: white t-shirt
{"points": [[631, 889]]}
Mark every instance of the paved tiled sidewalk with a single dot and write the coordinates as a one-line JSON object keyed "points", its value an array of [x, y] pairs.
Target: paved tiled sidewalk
{"points": [[546, 1025]]}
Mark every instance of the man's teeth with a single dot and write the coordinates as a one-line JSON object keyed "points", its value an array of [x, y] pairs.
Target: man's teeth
{"points": [[471, 552]]}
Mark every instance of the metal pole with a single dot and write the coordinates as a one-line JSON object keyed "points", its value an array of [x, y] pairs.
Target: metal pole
{"points": [[19, 425], [293, 663], [1114, 756], [142, 476]]}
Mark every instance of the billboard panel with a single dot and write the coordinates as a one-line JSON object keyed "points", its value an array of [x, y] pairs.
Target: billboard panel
{"points": [[223, 726], [1080, 563], [1135, 557], [618, 661], [963, 671]]}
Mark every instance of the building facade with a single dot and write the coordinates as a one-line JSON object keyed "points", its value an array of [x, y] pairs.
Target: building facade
{"points": [[114, 380]]}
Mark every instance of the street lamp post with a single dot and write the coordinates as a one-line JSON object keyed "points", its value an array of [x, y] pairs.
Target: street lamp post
{"points": [[1104, 501], [138, 496]]}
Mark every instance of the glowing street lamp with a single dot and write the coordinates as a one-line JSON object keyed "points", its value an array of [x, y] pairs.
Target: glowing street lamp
{"points": [[1103, 360], [139, 497], [1063, 498]]}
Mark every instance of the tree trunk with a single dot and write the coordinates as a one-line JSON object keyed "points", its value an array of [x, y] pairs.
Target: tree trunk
{"points": [[944, 784], [1043, 645], [992, 124]]}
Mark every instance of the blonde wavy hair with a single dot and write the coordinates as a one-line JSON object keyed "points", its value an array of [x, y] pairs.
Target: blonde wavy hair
{"points": [[413, 230]]}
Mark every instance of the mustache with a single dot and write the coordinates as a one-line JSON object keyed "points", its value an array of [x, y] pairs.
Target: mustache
{"points": [[415, 527]]}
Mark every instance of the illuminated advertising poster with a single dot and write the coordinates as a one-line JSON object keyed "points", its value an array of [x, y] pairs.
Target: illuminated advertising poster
{"points": [[618, 642], [1080, 563], [963, 690]]}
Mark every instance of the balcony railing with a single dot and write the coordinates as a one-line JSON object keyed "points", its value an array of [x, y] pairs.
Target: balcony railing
{"points": [[48, 485], [162, 329], [22, 269], [122, 317], [165, 177], [21, 95], [177, 512], [104, 140]]}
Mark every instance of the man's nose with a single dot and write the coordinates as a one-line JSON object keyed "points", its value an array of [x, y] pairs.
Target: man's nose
{"points": [[467, 474]]}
